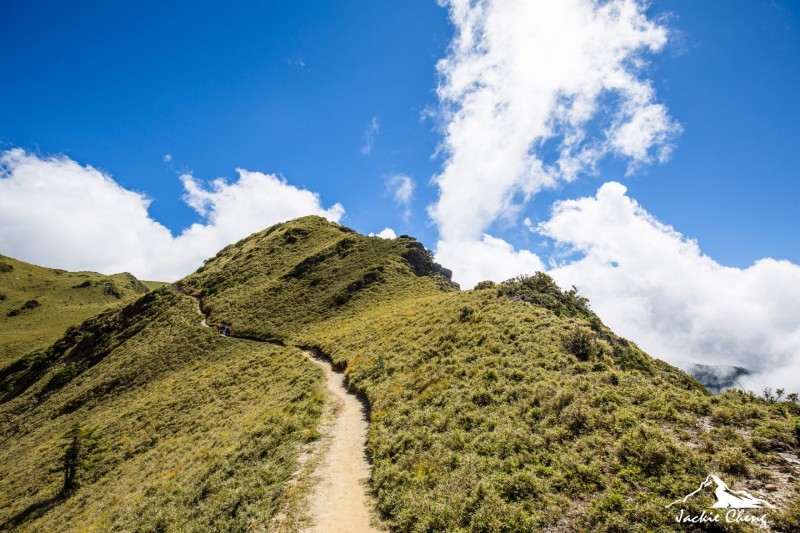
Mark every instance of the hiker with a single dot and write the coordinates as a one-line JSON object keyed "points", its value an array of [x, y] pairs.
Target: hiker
{"points": [[228, 330], [219, 328]]}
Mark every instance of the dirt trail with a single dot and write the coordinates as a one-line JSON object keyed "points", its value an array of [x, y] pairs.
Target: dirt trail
{"points": [[202, 315], [339, 502]]}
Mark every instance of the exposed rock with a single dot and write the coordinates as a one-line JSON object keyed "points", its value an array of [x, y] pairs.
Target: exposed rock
{"points": [[790, 457], [421, 262]]}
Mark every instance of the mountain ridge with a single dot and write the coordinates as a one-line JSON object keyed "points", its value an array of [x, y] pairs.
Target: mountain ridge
{"points": [[37, 304], [510, 407]]}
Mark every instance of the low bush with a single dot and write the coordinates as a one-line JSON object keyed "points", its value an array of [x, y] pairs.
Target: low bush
{"points": [[581, 343], [797, 429]]}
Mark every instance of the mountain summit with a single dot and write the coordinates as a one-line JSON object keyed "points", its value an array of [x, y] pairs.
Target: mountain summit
{"points": [[510, 407]]}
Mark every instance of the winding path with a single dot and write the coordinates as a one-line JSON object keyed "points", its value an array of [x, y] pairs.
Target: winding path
{"points": [[339, 501]]}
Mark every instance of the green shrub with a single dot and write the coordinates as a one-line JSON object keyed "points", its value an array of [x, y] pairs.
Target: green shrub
{"points": [[31, 304], [648, 450], [609, 503], [541, 289], [581, 343], [734, 461]]}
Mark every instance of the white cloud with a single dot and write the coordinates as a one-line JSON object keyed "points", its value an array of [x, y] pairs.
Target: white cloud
{"points": [[167, 158], [372, 131], [386, 233], [488, 259], [648, 126], [402, 189], [58, 213], [523, 87], [534, 93], [654, 286]]}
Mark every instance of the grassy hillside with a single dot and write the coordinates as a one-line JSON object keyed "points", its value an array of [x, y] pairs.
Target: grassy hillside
{"points": [[38, 304], [496, 414], [153, 285], [296, 274], [507, 408], [185, 430], [510, 407]]}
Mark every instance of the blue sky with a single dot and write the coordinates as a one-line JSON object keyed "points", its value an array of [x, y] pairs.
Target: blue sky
{"points": [[289, 87], [115, 118], [284, 87]]}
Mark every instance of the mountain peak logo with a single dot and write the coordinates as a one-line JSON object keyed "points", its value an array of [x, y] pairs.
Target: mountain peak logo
{"points": [[737, 502], [726, 498]]}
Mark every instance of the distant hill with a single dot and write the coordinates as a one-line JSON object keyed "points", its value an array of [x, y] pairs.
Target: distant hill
{"points": [[38, 304], [509, 407], [717, 378]]}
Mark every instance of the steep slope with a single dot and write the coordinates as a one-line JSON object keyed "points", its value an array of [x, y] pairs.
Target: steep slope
{"points": [[37, 304], [179, 428], [510, 407], [506, 408], [499, 415], [300, 273]]}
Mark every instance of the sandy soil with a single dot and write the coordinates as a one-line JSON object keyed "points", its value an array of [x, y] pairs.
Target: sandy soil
{"points": [[339, 500]]}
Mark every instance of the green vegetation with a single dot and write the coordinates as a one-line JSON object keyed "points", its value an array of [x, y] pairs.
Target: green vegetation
{"points": [[506, 426], [510, 407], [153, 285], [198, 432], [38, 304], [507, 408], [292, 275], [81, 456]]}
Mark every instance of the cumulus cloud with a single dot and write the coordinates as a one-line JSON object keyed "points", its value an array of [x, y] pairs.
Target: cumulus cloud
{"points": [[372, 131], [56, 212], [167, 158], [653, 285], [402, 189], [487, 259], [385, 233], [534, 93]]}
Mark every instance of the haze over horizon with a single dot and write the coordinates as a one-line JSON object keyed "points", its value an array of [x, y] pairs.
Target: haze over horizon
{"points": [[632, 150]]}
